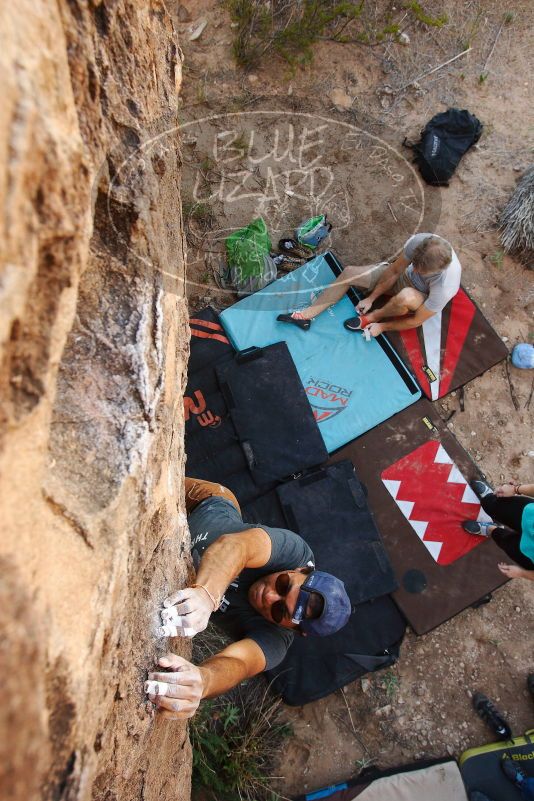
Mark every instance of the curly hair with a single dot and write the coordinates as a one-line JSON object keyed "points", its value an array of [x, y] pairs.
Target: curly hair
{"points": [[432, 255]]}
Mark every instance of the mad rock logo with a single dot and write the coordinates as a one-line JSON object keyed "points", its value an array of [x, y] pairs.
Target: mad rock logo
{"points": [[327, 400]]}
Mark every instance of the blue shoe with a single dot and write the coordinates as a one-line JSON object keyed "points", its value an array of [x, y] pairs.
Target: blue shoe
{"points": [[512, 771], [478, 528]]}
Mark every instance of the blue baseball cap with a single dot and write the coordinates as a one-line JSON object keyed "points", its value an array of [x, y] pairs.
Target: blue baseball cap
{"points": [[336, 605]]}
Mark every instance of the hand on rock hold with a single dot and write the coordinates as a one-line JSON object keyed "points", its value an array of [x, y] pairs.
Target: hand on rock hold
{"points": [[193, 606], [182, 684]]}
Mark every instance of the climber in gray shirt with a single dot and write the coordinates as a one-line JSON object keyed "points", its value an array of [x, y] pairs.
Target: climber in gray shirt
{"points": [[419, 283], [258, 584]]}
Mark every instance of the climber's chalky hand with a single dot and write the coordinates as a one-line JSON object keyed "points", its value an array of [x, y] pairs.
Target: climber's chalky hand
{"points": [[189, 610], [179, 687]]}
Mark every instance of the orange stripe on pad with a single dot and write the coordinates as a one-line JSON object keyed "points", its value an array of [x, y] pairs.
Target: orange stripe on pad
{"points": [[205, 324], [207, 335]]}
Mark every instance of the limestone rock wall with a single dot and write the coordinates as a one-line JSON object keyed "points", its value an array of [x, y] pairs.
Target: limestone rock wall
{"points": [[93, 349]]}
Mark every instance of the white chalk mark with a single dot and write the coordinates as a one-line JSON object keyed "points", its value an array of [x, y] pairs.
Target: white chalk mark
{"points": [[156, 687]]}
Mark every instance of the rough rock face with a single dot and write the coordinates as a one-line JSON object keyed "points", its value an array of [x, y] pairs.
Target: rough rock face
{"points": [[93, 347]]}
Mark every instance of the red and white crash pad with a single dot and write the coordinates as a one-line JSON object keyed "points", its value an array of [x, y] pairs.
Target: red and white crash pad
{"points": [[451, 348], [435, 497]]}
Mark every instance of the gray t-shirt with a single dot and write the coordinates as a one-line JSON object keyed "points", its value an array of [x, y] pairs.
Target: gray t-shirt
{"points": [[235, 616], [439, 287]]}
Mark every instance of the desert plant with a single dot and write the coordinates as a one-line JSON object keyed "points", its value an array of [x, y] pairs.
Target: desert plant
{"points": [[421, 15], [517, 219], [391, 684], [290, 28], [236, 737], [287, 28]]}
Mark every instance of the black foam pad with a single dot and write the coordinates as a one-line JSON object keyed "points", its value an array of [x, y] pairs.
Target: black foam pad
{"points": [[328, 508], [208, 340], [271, 413], [317, 666], [248, 423]]}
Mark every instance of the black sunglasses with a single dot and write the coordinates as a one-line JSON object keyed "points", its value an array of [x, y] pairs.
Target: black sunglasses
{"points": [[282, 586]]}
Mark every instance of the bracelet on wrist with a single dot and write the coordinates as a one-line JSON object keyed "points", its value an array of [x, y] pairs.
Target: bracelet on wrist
{"points": [[516, 489], [215, 601]]}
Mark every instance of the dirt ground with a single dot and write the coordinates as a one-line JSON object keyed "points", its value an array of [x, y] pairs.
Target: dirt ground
{"points": [[421, 707]]}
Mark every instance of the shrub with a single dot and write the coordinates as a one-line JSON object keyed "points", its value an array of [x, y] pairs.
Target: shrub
{"points": [[236, 737]]}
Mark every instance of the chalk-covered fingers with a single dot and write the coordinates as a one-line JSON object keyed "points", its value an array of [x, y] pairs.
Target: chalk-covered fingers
{"points": [[173, 599], [188, 611], [176, 693]]}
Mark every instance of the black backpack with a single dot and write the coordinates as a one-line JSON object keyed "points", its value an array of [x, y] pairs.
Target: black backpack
{"points": [[444, 140]]}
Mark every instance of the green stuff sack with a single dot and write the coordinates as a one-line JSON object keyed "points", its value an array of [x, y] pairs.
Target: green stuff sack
{"points": [[250, 266]]}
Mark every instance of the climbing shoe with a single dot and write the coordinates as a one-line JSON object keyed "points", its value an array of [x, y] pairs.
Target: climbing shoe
{"points": [[491, 715], [292, 247], [356, 323], [481, 489], [478, 528], [512, 771], [530, 684], [300, 322]]}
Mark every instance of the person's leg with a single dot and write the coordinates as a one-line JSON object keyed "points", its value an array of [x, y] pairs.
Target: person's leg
{"points": [[508, 541], [197, 490], [507, 511], [406, 301], [351, 276], [514, 772]]}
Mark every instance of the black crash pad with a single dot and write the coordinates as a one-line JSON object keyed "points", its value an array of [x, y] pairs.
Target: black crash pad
{"points": [[328, 508], [248, 423], [416, 473], [208, 340]]}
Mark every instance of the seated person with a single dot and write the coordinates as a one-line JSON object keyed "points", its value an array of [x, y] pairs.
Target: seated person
{"points": [[420, 283], [513, 505], [261, 586]]}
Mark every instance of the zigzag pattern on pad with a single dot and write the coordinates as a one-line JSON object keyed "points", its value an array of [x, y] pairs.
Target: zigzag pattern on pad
{"points": [[435, 498]]}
